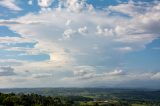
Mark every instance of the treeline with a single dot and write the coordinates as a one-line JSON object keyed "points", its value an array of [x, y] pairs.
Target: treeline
{"points": [[12, 99], [30, 100]]}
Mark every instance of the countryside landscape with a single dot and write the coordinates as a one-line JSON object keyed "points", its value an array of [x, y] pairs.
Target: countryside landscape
{"points": [[79, 97], [79, 52]]}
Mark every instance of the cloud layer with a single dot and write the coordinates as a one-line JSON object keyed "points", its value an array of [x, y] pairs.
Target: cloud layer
{"points": [[78, 38]]}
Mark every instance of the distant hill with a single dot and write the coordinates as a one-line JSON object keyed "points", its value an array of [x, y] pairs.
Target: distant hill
{"points": [[102, 93]]}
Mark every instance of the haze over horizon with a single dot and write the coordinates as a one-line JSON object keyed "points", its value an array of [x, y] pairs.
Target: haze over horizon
{"points": [[80, 43]]}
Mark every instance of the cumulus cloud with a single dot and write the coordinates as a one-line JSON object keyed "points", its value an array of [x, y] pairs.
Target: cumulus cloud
{"points": [[68, 33], [105, 31], [45, 3], [30, 2], [114, 32], [89, 73], [84, 72], [83, 30], [73, 5], [59, 33], [109, 33], [113, 78]]}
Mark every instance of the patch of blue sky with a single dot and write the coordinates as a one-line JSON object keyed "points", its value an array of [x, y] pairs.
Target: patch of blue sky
{"points": [[37, 57], [101, 4], [34, 7], [101, 60], [23, 4], [9, 53], [114, 13], [144, 0], [55, 4], [149, 57], [154, 44], [6, 13], [25, 45], [20, 55], [4, 31], [28, 8]]}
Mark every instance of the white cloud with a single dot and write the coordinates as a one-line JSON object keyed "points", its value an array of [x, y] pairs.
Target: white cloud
{"points": [[131, 8], [125, 49], [10, 4], [15, 40], [99, 30], [68, 33], [114, 33], [73, 5], [105, 36], [45, 3], [42, 75], [83, 30], [68, 22], [105, 31], [115, 78], [30, 2], [116, 72], [82, 71], [156, 76], [90, 73]]}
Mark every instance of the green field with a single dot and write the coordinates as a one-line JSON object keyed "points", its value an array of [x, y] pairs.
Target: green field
{"points": [[140, 105]]}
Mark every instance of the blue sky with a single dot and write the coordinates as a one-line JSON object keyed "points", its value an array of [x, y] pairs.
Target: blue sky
{"points": [[80, 43]]}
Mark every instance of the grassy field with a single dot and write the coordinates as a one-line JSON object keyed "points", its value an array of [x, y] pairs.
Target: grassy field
{"points": [[140, 105]]}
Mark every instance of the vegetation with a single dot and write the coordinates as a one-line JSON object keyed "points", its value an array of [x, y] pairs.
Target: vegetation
{"points": [[80, 97]]}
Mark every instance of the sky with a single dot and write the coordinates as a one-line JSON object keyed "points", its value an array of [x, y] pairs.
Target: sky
{"points": [[80, 43]]}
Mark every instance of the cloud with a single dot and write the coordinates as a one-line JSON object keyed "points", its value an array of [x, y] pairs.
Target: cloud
{"points": [[83, 30], [73, 5], [125, 49], [11, 62], [7, 71], [115, 78], [30, 2], [104, 34], [126, 8], [89, 73], [15, 40], [42, 75], [84, 71], [156, 76], [68, 22], [68, 33], [10, 4], [116, 72], [105, 31], [109, 35], [45, 3]]}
